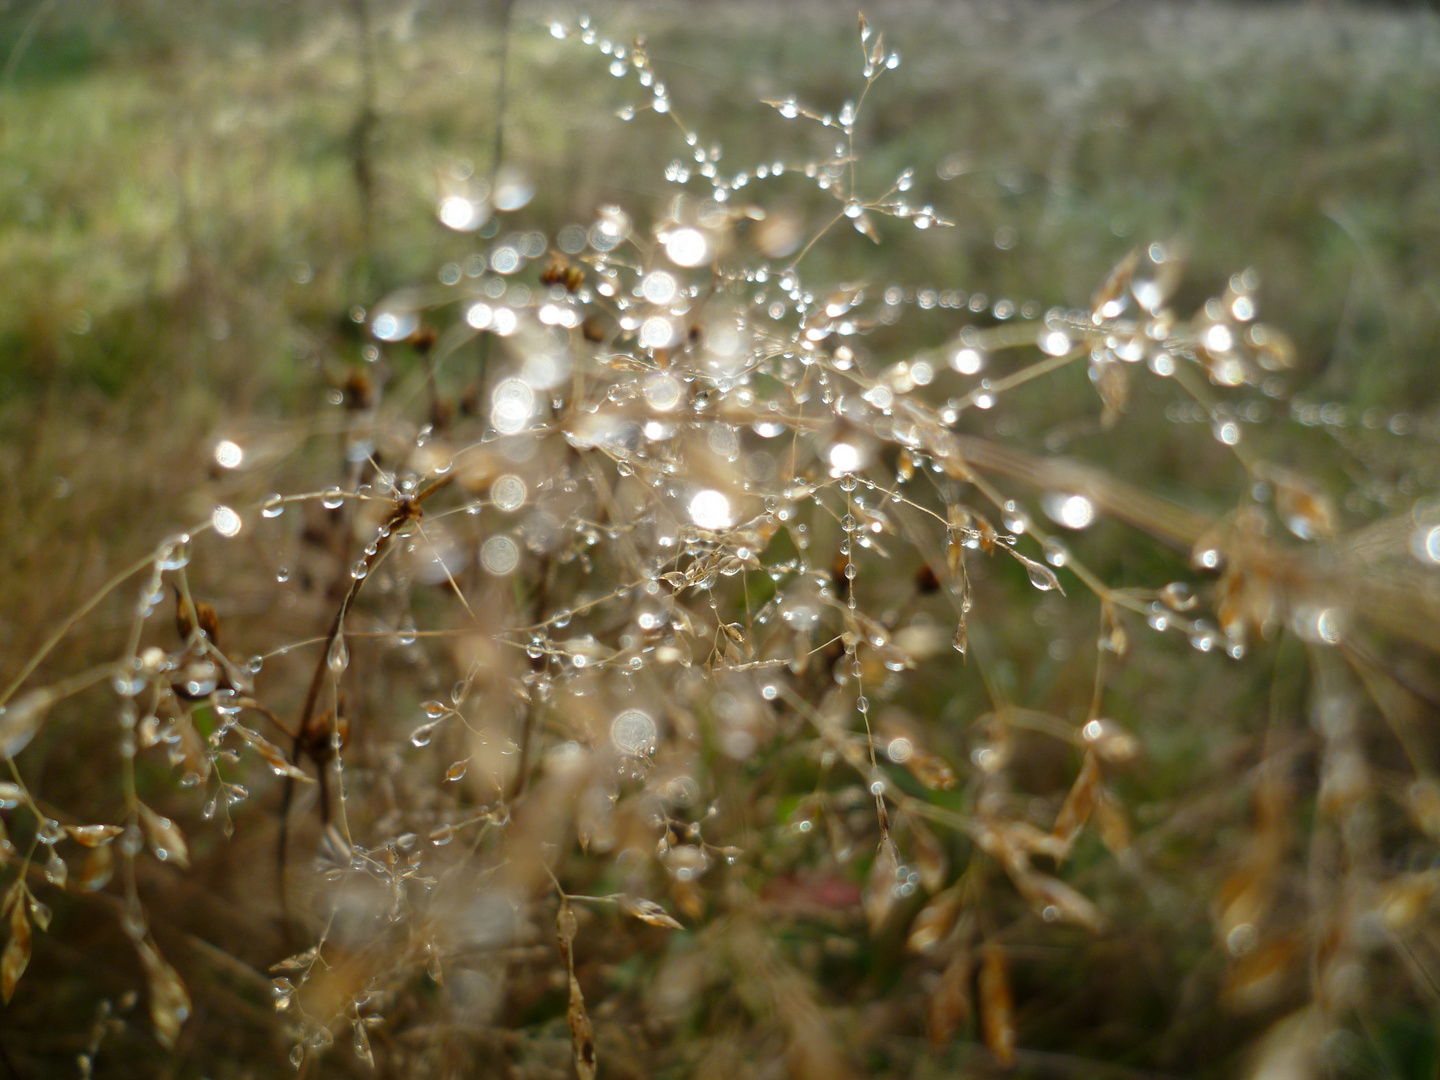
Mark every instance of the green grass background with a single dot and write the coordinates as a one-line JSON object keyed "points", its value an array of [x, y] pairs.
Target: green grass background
{"points": [[183, 234]]}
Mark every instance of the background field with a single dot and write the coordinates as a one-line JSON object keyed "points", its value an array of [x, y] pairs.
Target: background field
{"points": [[193, 198]]}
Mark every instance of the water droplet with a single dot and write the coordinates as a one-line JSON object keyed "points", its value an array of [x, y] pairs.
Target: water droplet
{"points": [[710, 509], [338, 658], [508, 492], [633, 732], [1041, 578], [1071, 511], [663, 391], [1013, 518], [228, 454], [174, 553], [332, 498], [1318, 624], [512, 403], [659, 287], [1054, 342], [1207, 558], [499, 555], [422, 735], [686, 246], [1425, 544], [443, 835], [1178, 596]]}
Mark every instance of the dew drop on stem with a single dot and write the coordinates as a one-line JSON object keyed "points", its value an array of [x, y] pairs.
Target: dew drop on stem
{"points": [[338, 658]]}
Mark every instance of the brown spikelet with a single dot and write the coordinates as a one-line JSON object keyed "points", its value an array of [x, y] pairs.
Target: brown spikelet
{"points": [[1079, 803], [950, 1003], [189, 614], [997, 1007], [934, 921], [647, 911], [17, 949]]}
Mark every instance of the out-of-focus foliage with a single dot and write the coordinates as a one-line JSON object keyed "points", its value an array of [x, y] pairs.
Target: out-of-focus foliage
{"points": [[835, 577]]}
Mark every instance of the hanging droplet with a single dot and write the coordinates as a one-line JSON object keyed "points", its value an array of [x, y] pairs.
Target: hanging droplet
{"points": [[1041, 577], [443, 835], [338, 659]]}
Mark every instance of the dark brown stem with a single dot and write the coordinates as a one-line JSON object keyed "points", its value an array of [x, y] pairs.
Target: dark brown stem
{"points": [[406, 510]]}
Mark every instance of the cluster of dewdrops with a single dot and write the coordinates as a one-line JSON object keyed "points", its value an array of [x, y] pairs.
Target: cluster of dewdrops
{"points": [[731, 404], [697, 437]]}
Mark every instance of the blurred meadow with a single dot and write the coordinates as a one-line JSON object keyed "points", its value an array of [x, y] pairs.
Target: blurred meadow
{"points": [[204, 206]]}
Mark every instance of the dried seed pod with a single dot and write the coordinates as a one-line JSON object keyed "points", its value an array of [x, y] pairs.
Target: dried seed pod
{"points": [[166, 840], [1110, 741], [950, 1002], [1303, 508], [1080, 803], [17, 949], [1110, 819], [1055, 901], [93, 836], [933, 922], [95, 869], [648, 911], [1113, 637], [169, 1000], [1112, 382], [1112, 297], [559, 271], [272, 755], [879, 896], [21, 719], [192, 613], [926, 581], [997, 1006], [930, 857], [1257, 978]]}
